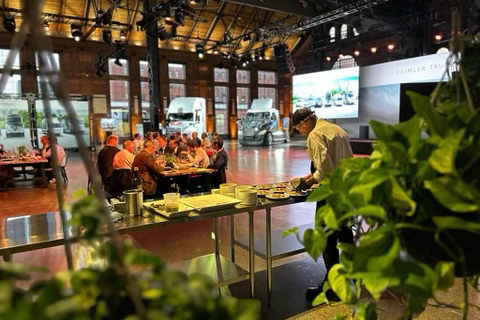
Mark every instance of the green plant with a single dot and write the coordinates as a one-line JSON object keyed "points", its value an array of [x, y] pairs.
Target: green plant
{"points": [[414, 204], [101, 291]]}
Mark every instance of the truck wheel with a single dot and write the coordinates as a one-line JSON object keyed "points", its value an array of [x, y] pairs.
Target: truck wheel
{"points": [[268, 139], [287, 137]]}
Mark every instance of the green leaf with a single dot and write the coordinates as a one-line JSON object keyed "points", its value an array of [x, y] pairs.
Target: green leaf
{"points": [[446, 275], [369, 211], [320, 299], [361, 192], [417, 278], [356, 164], [330, 218], [376, 283], [400, 199], [422, 107], [443, 158], [315, 242], [411, 129], [293, 231], [320, 194], [450, 222], [377, 250], [454, 194], [342, 286], [367, 311]]}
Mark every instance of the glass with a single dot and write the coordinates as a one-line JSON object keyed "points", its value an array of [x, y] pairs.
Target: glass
{"points": [[267, 77], [177, 71], [177, 90], [3, 59], [243, 101], [220, 74], [266, 93], [243, 76], [14, 84], [171, 201], [120, 106], [116, 70], [145, 100], [143, 64]]}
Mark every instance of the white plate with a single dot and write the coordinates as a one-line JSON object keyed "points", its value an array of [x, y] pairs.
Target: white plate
{"points": [[285, 196]]}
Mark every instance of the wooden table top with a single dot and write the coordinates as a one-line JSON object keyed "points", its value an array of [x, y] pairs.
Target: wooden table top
{"points": [[18, 161]]}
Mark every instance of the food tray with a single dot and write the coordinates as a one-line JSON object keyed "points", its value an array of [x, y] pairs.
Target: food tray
{"points": [[210, 202], [158, 207]]}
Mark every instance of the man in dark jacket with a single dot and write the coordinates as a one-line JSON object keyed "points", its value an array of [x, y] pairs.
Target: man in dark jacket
{"points": [[220, 163], [105, 159], [148, 169]]}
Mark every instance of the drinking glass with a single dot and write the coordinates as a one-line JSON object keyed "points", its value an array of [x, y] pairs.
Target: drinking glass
{"points": [[171, 201]]}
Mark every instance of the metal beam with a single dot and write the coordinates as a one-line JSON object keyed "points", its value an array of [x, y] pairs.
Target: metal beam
{"points": [[197, 18], [215, 20], [132, 20], [294, 7]]}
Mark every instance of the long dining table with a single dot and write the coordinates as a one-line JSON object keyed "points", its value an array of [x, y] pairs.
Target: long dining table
{"points": [[38, 163]]}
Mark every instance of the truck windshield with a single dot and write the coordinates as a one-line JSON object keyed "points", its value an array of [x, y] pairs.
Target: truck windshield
{"points": [[180, 116], [16, 119], [257, 115]]}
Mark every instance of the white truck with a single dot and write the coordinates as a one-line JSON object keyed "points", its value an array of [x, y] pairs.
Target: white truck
{"points": [[187, 115], [260, 125]]}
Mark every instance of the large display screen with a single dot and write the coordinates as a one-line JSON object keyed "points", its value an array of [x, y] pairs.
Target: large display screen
{"points": [[331, 94]]}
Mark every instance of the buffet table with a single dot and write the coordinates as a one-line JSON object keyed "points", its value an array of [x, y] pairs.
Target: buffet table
{"points": [[44, 230]]}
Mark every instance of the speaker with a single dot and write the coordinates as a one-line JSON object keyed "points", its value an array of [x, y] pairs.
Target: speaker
{"points": [[364, 132], [284, 59]]}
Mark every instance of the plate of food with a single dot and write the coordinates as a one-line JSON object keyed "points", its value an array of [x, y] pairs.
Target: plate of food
{"points": [[277, 196], [282, 185], [264, 186], [263, 193], [280, 190], [297, 194], [158, 207]]}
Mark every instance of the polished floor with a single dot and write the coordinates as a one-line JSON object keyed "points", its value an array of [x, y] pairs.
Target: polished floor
{"points": [[247, 165]]}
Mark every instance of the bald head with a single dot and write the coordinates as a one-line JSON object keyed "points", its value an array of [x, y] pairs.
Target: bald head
{"points": [[128, 145]]}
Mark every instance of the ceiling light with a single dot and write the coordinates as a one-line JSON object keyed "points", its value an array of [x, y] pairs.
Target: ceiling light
{"points": [[328, 59], [199, 50], [46, 27], [123, 35], [438, 37], [356, 52], [117, 62], [341, 56], [373, 49], [391, 47], [215, 51], [162, 33], [193, 2], [77, 32], [107, 36], [9, 24]]}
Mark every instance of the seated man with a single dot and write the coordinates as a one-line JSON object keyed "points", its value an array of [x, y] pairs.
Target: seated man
{"points": [[220, 163], [197, 183], [149, 170], [171, 148], [200, 157], [137, 142], [47, 153], [105, 160], [121, 178]]}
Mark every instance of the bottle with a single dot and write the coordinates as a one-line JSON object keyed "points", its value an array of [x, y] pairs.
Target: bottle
{"points": [[136, 180]]}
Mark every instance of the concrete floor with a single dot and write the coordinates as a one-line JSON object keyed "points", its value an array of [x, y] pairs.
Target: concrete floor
{"points": [[247, 165]]}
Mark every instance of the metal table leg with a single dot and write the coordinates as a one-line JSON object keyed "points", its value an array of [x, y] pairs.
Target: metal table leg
{"points": [[268, 231], [215, 232], [251, 254], [232, 238], [7, 256]]}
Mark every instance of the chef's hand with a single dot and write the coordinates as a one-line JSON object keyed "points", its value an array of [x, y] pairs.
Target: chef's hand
{"points": [[303, 185]]}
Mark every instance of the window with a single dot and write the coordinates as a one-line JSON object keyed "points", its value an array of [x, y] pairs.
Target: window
{"points": [[243, 76], [177, 90], [243, 101], [346, 61], [14, 83], [220, 74], [266, 93], [145, 100], [3, 58], [118, 67], [49, 67], [221, 110], [343, 31], [143, 69], [177, 71], [332, 33], [267, 77]]}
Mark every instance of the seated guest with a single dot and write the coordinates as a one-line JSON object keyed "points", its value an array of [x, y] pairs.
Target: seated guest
{"points": [[178, 136], [105, 159], [200, 157], [196, 139], [162, 143], [206, 143], [220, 163], [154, 139], [171, 148], [137, 142], [184, 137], [47, 153], [121, 178], [149, 170], [214, 136]]}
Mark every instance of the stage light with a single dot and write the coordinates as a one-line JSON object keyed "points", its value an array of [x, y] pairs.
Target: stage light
{"points": [[9, 24], [341, 56], [328, 59], [179, 17], [46, 27], [76, 32], [199, 50], [162, 33], [247, 37], [117, 62], [215, 51], [438, 37], [373, 49], [356, 52], [391, 47], [123, 35]]}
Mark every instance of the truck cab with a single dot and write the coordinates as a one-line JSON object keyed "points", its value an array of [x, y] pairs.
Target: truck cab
{"points": [[260, 125], [14, 125], [186, 115]]}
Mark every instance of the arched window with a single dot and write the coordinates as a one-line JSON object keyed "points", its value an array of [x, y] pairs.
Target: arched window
{"points": [[346, 61], [343, 31], [332, 32]]}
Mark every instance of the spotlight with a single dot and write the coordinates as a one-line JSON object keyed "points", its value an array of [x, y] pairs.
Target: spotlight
{"points": [[123, 35], [179, 17], [193, 2], [9, 24], [162, 33], [356, 52], [46, 27], [215, 51], [254, 57], [328, 59], [257, 56], [227, 38], [373, 49], [247, 37], [77, 32], [117, 62], [438, 37], [107, 36], [199, 50], [391, 47], [341, 56]]}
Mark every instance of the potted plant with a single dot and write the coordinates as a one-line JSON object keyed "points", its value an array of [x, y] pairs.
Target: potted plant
{"points": [[414, 204]]}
